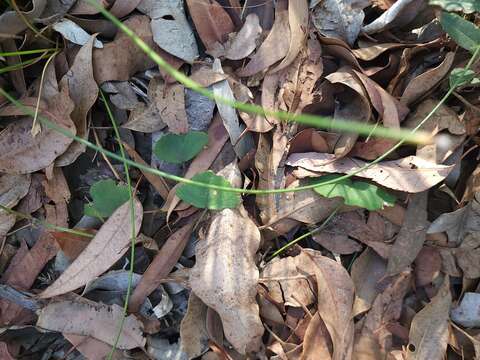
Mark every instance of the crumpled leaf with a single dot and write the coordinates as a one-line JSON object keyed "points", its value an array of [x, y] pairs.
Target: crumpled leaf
{"points": [[107, 196], [428, 338], [83, 91], [168, 17], [467, 313], [410, 174], [411, 237], [354, 193], [107, 247], [21, 152], [215, 279], [99, 321], [465, 33], [74, 33], [246, 39], [276, 45], [180, 148], [341, 19], [204, 198]]}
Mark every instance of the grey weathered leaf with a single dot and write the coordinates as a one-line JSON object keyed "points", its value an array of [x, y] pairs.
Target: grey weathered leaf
{"points": [[245, 41], [74, 33], [168, 17], [468, 312]]}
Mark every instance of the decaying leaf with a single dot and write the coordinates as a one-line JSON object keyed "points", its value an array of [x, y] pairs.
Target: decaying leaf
{"points": [[246, 39], [90, 319], [108, 245], [410, 174], [215, 276], [428, 336]]}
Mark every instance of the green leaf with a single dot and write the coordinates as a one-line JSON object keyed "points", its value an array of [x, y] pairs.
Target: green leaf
{"points": [[180, 148], [107, 196], [465, 6], [461, 76], [204, 198], [465, 33], [355, 193]]}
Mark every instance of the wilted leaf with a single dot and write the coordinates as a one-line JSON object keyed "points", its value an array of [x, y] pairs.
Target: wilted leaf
{"points": [[468, 312], [354, 193], [411, 237], [204, 198], [465, 33], [215, 277], [180, 148], [107, 196], [428, 336], [108, 246], [410, 174], [74, 33], [168, 17], [90, 319]]}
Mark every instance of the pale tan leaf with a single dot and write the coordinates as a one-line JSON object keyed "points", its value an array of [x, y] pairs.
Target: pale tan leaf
{"points": [[317, 343], [106, 248], [411, 174], [90, 319], [428, 336], [245, 41], [225, 276]]}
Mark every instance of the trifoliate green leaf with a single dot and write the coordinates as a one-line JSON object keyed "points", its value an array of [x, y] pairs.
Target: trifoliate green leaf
{"points": [[461, 76], [180, 148], [355, 193], [465, 33], [205, 198], [465, 6], [107, 196]]}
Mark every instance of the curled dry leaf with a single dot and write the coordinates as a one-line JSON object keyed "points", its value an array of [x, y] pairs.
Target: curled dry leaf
{"points": [[246, 40], [212, 22], [23, 153], [411, 237], [411, 174], [74, 33], [90, 319], [107, 247], [275, 47], [428, 338], [83, 91], [427, 81], [225, 276]]}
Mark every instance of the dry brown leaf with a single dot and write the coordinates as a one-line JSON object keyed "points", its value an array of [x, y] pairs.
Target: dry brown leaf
{"points": [[428, 338], [373, 50], [411, 237], [83, 91], [72, 245], [56, 188], [212, 22], [427, 266], [317, 343], [90, 319], [12, 189], [107, 247], [225, 276], [308, 140], [120, 59], [367, 271], [23, 271], [161, 265], [298, 23], [21, 152], [335, 301], [11, 23], [122, 8], [428, 80], [410, 174], [246, 40], [275, 47], [193, 331], [92, 348]]}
